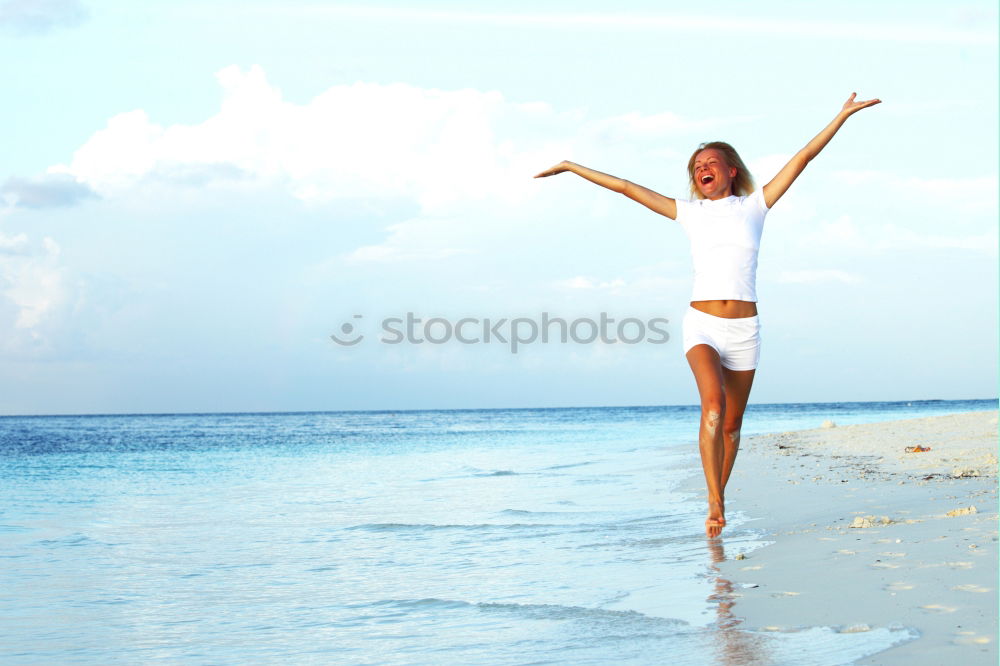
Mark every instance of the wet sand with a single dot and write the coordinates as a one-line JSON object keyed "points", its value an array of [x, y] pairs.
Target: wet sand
{"points": [[868, 535]]}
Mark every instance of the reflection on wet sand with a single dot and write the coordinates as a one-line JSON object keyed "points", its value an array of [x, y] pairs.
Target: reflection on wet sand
{"points": [[732, 645]]}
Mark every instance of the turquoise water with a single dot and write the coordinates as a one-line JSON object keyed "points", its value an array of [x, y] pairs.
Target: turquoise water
{"points": [[428, 537]]}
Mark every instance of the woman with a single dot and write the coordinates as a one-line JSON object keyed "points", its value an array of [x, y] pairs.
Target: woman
{"points": [[721, 329]]}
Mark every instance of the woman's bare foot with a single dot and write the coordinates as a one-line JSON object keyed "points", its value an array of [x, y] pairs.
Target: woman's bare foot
{"points": [[716, 518]]}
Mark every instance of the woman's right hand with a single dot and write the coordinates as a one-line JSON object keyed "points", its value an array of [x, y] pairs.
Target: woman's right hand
{"points": [[559, 168], [851, 106]]}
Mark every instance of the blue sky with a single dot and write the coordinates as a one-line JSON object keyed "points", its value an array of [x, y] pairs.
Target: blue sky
{"points": [[195, 195]]}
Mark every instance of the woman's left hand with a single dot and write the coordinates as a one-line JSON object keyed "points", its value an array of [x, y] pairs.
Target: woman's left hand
{"points": [[851, 106]]}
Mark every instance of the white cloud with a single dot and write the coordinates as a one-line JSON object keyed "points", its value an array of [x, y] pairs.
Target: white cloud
{"points": [[636, 126], [840, 232], [845, 233], [13, 244], [582, 282], [974, 194], [440, 148], [767, 167], [462, 156], [115, 157], [465, 157], [818, 275], [388, 253], [891, 236], [420, 240], [353, 140], [640, 281], [32, 284]]}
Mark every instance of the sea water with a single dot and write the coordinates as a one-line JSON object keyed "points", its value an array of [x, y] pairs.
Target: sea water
{"points": [[520, 536]]}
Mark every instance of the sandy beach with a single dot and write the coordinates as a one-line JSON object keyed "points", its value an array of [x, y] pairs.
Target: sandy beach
{"points": [[867, 534]]}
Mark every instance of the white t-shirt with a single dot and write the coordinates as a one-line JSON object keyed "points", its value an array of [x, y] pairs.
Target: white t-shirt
{"points": [[725, 238]]}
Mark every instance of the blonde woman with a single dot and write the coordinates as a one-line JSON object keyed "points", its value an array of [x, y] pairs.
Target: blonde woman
{"points": [[721, 331]]}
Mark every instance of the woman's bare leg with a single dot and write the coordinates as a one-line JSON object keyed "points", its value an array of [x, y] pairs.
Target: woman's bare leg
{"points": [[737, 384], [708, 375]]}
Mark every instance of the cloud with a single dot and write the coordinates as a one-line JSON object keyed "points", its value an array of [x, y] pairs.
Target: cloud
{"points": [[393, 254], [32, 286], [838, 233], [639, 281], [48, 191], [844, 233], [582, 282], [438, 148], [891, 236], [13, 244], [818, 275], [636, 126], [195, 175], [351, 141], [458, 161], [417, 240], [767, 167], [40, 16], [974, 194], [460, 158]]}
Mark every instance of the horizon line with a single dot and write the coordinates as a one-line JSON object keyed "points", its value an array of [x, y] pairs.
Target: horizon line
{"points": [[475, 409]]}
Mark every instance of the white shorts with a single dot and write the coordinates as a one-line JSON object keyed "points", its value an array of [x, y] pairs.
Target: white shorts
{"points": [[736, 340]]}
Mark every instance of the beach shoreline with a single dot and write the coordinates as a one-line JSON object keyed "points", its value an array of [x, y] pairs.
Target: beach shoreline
{"points": [[867, 534]]}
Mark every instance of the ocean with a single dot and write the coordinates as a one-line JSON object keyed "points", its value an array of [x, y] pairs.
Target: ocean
{"points": [[507, 536]]}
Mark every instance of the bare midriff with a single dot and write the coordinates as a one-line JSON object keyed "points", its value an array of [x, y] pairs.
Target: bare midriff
{"points": [[727, 309]]}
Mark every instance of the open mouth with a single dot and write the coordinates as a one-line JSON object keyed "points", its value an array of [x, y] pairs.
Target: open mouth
{"points": [[707, 178]]}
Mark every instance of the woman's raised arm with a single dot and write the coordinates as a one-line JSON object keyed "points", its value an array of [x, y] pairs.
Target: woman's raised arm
{"points": [[781, 182], [647, 197]]}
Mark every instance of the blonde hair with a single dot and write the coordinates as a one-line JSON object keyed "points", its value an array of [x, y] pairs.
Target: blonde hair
{"points": [[743, 184]]}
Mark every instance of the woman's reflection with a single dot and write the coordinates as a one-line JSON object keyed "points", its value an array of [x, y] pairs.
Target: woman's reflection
{"points": [[733, 646]]}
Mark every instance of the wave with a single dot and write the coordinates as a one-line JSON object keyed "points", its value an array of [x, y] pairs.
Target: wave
{"points": [[473, 472], [70, 540], [634, 619], [419, 527], [522, 530], [558, 514], [569, 465], [819, 645]]}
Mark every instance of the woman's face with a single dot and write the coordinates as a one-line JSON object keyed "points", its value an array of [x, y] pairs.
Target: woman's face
{"points": [[712, 176]]}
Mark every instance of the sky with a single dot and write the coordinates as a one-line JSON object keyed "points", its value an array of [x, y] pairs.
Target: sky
{"points": [[195, 196]]}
